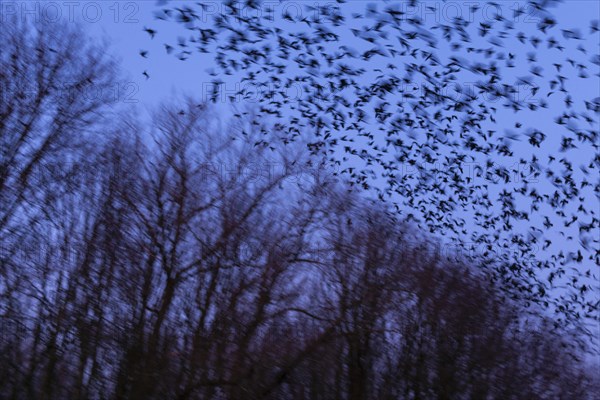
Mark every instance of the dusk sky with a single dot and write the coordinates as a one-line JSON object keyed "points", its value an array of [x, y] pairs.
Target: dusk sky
{"points": [[124, 23], [299, 200]]}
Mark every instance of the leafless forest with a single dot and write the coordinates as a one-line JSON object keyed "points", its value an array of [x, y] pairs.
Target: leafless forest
{"points": [[175, 259]]}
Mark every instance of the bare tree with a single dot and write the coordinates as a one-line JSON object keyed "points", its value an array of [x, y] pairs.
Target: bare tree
{"points": [[47, 115]]}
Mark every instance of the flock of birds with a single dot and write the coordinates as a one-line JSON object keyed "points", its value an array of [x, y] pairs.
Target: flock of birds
{"points": [[385, 90]]}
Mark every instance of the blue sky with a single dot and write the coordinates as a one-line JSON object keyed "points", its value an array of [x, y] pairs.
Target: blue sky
{"points": [[123, 23]]}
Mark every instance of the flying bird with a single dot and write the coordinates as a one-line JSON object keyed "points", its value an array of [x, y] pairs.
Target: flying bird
{"points": [[150, 32]]}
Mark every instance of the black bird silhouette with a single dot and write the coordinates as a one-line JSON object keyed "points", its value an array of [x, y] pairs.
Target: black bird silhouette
{"points": [[150, 32]]}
